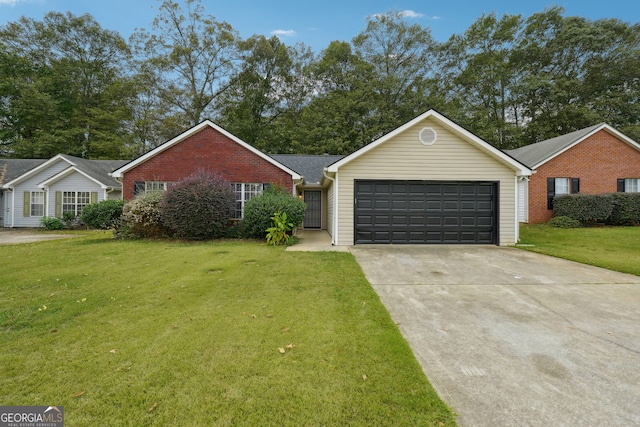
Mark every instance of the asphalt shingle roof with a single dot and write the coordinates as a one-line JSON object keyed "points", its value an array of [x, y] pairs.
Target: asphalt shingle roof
{"points": [[307, 165], [98, 169], [10, 169], [533, 154]]}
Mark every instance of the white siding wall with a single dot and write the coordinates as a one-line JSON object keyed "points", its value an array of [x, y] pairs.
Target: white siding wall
{"points": [[404, 157], [31, 184], [523, 200], [71, 182], [330, 200], [113, 195]]}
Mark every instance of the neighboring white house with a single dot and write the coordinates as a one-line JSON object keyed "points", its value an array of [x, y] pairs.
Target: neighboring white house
{"points": [[31, 189]]}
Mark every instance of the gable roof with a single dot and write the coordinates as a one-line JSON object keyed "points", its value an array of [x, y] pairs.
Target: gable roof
{"points": [[501, 156], [184, 135], [96, 170], [10, 169], [307, 165], [541, 152]]}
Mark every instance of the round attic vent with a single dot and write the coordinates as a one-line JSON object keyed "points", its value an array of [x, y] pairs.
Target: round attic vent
{"points": [[428, 136]]}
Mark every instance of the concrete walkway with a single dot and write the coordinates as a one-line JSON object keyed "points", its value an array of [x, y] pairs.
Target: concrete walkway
{"points": [[315, 241], [513, 338]]}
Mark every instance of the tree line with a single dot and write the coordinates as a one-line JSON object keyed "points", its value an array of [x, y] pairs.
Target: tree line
{"points": [[67, 85]]}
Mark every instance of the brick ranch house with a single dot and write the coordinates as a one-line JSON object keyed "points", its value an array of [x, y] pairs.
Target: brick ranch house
{"points": [[427, 182], [595, 160]]}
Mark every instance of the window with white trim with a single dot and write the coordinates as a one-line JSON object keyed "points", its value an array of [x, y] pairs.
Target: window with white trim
{"points": [[74, 201], [150, 186], [632, 185], [243, 192], [37, 203], [562, 186]]}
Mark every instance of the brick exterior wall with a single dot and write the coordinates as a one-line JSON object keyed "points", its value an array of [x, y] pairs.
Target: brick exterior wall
{"points": [[598, 161], [212, 151]]}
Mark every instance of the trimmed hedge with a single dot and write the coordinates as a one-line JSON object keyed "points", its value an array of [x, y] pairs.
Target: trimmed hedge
{"points": [[626, 209], [586, 208], [260, 209], [564, 222], [610, 209]]}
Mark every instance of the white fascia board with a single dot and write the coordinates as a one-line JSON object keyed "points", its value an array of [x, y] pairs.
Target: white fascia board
{"points": [[521, 170], [67, 172], [37, 169], [118, 172]]}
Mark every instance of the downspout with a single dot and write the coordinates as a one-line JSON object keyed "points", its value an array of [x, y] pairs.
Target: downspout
{"points": [[517, 215], [334, 230], [108, 190]]}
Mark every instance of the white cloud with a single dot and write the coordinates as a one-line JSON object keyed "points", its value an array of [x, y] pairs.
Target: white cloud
{"points": [[284, 33], [410, 14], [407, 14], [9, 2]]}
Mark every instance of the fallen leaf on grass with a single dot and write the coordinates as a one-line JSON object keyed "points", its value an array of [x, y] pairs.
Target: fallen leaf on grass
{"points": [[152, 407], [285, 329], [113, 351], [254, 316], [53, 331], [290, 346], [269, 316], [80, 393], [364, 377], [281, 350]]}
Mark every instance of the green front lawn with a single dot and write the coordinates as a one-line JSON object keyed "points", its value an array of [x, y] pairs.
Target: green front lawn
{"points": [[615, 248], [136, 333]]}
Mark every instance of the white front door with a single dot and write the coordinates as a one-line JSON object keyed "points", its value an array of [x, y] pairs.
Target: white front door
{"points": [[8, 208]]}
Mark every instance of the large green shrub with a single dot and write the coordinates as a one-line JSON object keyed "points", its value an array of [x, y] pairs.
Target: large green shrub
{"points": [[141, 217], [259, 210], [586, 208], [199, 206], [105, 214], [626, 209]]}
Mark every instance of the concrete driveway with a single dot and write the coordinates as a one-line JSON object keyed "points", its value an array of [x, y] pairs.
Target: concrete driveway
{"points": [[513, 338], [10, 236]]}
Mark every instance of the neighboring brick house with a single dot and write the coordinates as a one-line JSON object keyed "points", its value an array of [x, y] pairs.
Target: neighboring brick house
{"points": [[210, 148], [595, 160]]}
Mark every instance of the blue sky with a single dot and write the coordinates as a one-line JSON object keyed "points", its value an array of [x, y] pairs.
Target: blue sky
{"points": [[317, 23]]}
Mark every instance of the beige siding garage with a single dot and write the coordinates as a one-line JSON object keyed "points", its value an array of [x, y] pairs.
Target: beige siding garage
{"points": [[455, 155]]}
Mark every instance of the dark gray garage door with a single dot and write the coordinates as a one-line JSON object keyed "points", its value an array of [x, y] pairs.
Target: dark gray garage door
{"points": [[422, 212]]}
